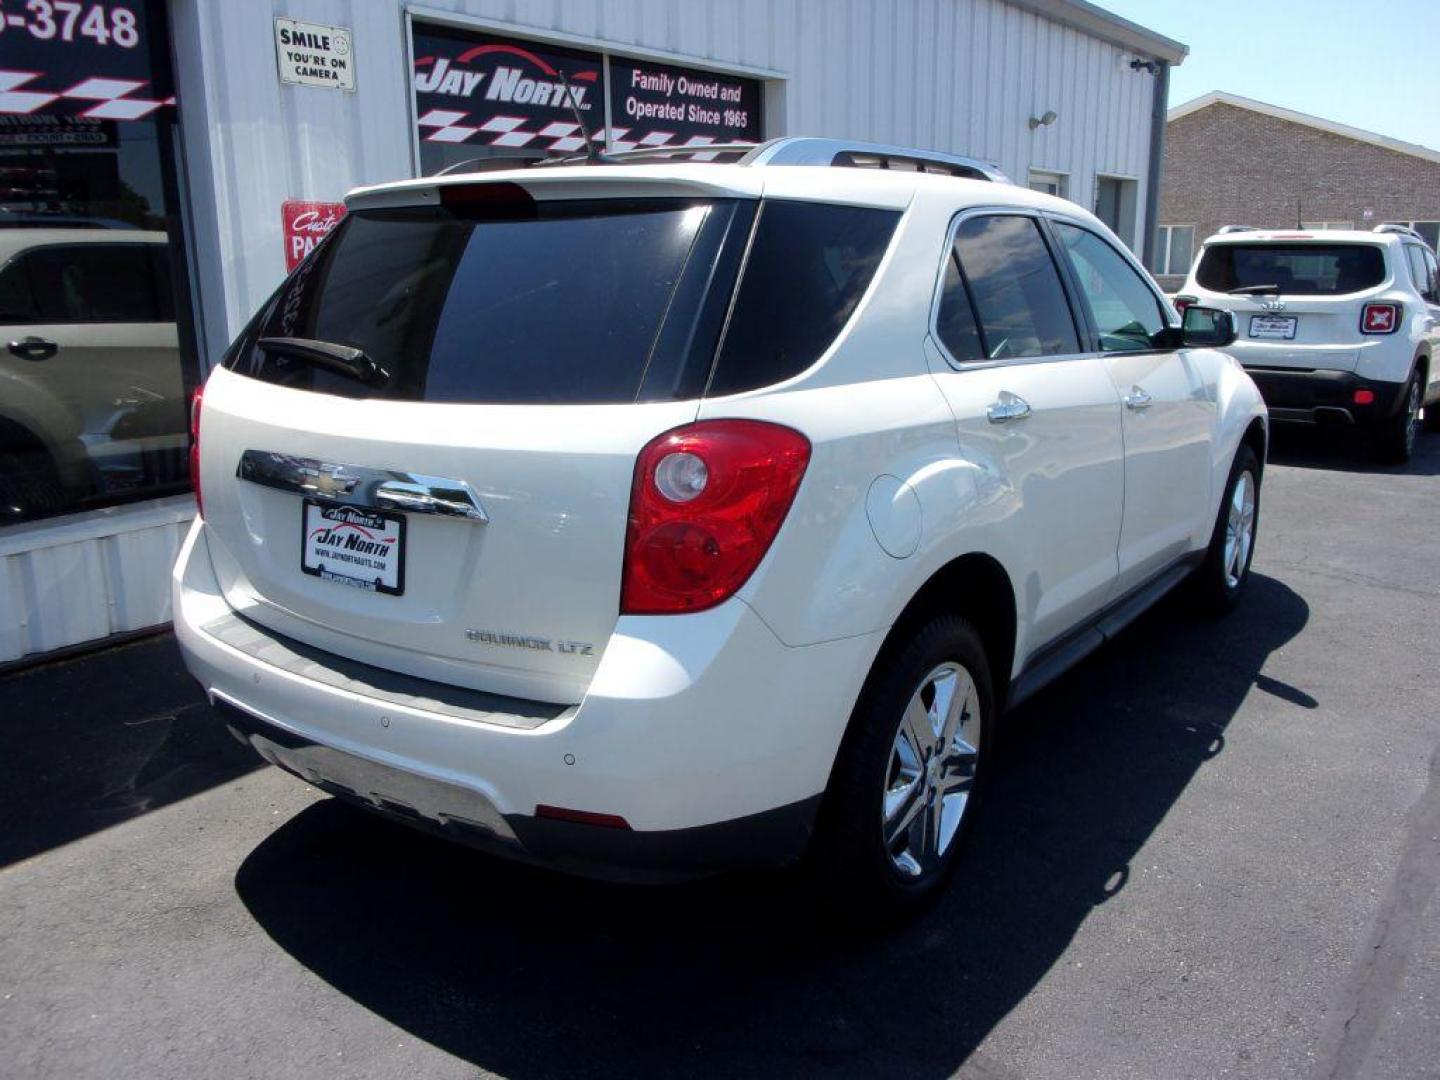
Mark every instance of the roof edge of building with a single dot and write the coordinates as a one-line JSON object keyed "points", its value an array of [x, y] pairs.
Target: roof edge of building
{"points": [[1223, 97], [1106, 25]]}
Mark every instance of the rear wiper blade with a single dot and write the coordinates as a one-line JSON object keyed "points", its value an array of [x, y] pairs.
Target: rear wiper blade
{"points": [[341, 359], [1252, 290]]}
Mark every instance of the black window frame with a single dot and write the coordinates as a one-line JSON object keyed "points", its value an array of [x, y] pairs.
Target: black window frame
{"points": [[1169, 331], [1083, 333]]}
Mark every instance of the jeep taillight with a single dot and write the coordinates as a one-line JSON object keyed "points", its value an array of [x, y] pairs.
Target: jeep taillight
{"points": [[705, 505], [1380, 319], [195, 401]]}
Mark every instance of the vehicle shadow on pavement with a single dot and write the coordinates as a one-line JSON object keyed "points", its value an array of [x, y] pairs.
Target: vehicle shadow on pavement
{"points": [[99, 739], [528, 973], [1343, 449]]}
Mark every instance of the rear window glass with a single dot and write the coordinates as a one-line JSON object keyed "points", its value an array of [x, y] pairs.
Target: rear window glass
{"points": [[808, 267], [1297, 269], [509, 300]]}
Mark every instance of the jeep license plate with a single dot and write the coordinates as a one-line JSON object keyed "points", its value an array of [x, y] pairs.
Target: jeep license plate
{"points": [[1273, 326], [354, 546]]}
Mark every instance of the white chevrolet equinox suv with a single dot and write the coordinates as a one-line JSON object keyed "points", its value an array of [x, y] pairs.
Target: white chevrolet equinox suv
{"points": [[1338, 327], [654, 517]]}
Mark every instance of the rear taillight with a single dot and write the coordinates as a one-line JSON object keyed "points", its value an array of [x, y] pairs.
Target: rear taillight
{"points": [[195, 401], [706, 502], [1183, 302], [1380, 319]]}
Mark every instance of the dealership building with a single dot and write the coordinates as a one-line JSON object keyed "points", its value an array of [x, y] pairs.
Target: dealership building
{"points": [[164, 164]]}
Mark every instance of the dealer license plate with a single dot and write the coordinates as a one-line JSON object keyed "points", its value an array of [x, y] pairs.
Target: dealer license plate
{"points": [[354, 546], [1273, 326]]}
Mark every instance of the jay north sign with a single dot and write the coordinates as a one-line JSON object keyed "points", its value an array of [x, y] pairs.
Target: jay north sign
{"points": [[481, 93]]}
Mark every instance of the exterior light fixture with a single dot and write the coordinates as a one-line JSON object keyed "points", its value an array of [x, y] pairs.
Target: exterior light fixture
{"points": [[1043, 121]]}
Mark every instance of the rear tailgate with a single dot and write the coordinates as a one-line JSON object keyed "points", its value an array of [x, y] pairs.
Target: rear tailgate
{"points": [[1298, 332], [521, 603], [420, 453], [1309, 316]]}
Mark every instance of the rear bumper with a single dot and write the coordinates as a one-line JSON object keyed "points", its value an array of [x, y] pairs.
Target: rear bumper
{"points": [[710, 738], [1324, 397]]}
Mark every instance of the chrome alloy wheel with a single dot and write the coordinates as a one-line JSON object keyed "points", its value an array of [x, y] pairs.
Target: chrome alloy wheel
{"points": [[1239, 528], [931, 771]]}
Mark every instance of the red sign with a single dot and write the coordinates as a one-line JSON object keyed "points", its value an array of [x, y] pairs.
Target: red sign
{"points": [[305, 225]]}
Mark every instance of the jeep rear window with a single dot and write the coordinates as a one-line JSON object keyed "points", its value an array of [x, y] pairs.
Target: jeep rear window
{"points": [[807, 269], [1298, 269], [511, 300]]}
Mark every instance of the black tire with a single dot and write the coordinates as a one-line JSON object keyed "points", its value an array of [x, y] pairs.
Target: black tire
{"points": [[1393, 439], [29, 485], [1431, 420], [1217, 585], [851, 863]]}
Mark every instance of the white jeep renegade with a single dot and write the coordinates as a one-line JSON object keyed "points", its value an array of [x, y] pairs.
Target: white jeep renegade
{"points": [[1335, 327], [663, 516]]}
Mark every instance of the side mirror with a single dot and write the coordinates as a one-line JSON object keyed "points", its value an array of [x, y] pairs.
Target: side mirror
{"points": [[1207, 328]]}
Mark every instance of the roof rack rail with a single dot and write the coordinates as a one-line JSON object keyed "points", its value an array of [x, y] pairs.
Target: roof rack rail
{"points": [[1235, 228], [805, 150], [1403, 230]]}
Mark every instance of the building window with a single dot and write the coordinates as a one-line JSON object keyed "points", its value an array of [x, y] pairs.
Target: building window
{"points": [[1051, 183], [1174, 248], [94, 309], [478, 95], [1326, 226]]}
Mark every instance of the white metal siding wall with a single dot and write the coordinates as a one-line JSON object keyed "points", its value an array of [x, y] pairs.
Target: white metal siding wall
{"points": [[958, 75], [98, 574]]}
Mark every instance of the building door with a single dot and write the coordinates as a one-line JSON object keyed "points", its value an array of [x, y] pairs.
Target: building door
{"points": [[98, 353], [1115, 206]]}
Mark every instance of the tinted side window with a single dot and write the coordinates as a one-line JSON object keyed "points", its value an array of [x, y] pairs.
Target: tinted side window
{"points": [[1125, 311], [808, 267], [1018, 298], [1432, 271], [17, 304], [93, 283], [1420, 262], [955, 319]]}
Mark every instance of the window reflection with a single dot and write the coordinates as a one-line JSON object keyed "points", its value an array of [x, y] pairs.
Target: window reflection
{"points": [[92, 381]]}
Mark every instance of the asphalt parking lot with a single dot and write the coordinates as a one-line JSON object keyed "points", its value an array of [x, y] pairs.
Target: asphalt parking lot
{"points": [[1212, 850]]}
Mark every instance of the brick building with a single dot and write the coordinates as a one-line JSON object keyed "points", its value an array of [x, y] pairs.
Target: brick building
{"points": [[1233, 161]]}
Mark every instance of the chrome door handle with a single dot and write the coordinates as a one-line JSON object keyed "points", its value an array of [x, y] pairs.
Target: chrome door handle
{"points": [[33, 348], [1007, 408], [1137, 399]]}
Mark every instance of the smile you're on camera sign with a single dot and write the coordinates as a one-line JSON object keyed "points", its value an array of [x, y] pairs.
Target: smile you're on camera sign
{"points": [[311, 54]]}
